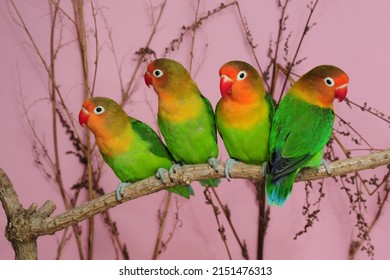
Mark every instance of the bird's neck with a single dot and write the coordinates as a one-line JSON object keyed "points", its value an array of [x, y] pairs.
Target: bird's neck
{"points": [[113, 141], [243, 115], [312, 95], [179, 108]]}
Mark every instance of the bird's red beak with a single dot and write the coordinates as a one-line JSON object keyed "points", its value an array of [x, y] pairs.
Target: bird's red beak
{"points": [[83, 117], [341, 92], [148, 79], [225, 85]]}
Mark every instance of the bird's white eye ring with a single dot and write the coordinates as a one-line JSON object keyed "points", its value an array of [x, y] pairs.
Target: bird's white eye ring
{"points": [[99, 110], [329, 81], [241, 75], [158, 73]]}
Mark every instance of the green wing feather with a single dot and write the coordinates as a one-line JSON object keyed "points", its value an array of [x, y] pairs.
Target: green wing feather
{"points": [[271, 106], [210, 113], [157, 147], [299, 133], [147, 134]]}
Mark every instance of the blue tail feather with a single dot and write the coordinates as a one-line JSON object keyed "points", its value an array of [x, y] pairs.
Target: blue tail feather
{"points": [[278, 191]]}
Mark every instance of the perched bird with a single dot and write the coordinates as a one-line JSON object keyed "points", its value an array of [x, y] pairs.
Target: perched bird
{"points": [[301, 127], [243, 114], [185, 117], [130, 147]]}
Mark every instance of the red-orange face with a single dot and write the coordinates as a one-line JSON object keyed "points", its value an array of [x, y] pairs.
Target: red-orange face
{"points": [[239, 79], [322, 85], [166, 74], [101, 114]]}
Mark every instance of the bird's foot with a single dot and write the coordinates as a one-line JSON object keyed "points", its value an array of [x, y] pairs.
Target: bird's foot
{"points": [[228, 167], [161, 174], [326, 165], [264, 168], [119, 190], [213, 162], [173, 169]]}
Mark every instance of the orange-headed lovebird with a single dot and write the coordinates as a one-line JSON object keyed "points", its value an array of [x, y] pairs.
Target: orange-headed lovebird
{"points": [[130, 147], [185, 117], [301, 127], [243, 114]]}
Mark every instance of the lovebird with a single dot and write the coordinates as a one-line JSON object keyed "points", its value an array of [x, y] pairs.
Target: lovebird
{"points": [[243, 114], [130, 147], [301, 127], [185, 117]]}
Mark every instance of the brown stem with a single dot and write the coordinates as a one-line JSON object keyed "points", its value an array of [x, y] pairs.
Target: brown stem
{"points": [[249, 40], [126, 93], [162, 223], [96, 63], [356, 245], [78, 8], [363, 108], [216, 212], [193, 36], [23, 25], [226, 212], [305, 30], [262, 219], [115, 236], [282, 20]]}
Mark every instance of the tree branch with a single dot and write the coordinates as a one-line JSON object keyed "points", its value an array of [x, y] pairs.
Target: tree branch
{"points": [[39, 224], [21, 220]]}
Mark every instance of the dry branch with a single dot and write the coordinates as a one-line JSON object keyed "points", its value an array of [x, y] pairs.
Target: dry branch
{"points": [[34, 223]]}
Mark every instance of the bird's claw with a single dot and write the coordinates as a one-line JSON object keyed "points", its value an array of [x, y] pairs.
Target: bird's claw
{"points": [[173, 169], [228, 167], [264, 168], [327, 166], [160, 174], [119, 190], [213, 162]]}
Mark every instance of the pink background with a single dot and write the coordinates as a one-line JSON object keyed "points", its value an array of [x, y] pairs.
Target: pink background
{"points": [[352, 34]]}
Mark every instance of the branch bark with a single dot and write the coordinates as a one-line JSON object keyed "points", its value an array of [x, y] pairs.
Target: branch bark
{"points": [[25, 226], [20, 221]]}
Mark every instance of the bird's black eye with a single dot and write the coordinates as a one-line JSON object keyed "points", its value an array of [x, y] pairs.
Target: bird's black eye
{"points": [[158, 73], [99, 110], [241, 75], [329, 81]]}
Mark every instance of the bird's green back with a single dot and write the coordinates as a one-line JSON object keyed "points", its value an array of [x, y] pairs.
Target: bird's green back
{"points": [[299, 132]]}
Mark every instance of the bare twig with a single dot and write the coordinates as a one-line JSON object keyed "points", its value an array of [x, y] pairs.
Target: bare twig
{"points": [[263, 218], [282, 27], [162, 221], [292, 63], [226, 212], [78, 8], [126, 94], [356, 245], [249, 39], [221, 228], [194, 36]]}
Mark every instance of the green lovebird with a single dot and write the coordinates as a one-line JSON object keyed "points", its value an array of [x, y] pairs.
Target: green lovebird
{"points": [[130, 147], [185, 117], [301, 127], [243, 114]]}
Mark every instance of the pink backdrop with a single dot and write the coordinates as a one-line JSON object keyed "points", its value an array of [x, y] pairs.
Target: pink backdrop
{"points": [[350, 34]]}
